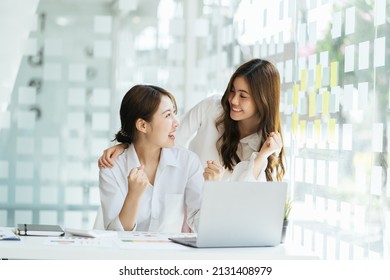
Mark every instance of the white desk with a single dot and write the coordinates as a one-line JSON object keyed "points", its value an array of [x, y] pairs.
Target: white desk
{"points": [[123, 247]]}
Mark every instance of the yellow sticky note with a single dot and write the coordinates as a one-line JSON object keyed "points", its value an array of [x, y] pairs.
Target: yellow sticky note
{"points": [[318, 81], [317, 131], [325, 103], [312, 104], [295, 119], [295, 96], [334, 70], [303, 79], [332, 130]]}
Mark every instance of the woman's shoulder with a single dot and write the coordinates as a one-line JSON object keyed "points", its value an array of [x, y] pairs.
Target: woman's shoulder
{"points": [[121, 161], [209, 102], [211, 105]]}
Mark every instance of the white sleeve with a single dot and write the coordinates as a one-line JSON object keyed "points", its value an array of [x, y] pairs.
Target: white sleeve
{"points": [[243, 171], [192, 120], [193, 192], [111, 198]]}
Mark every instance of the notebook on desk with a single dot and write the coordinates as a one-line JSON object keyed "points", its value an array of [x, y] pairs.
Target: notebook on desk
{"points": [[239, 214], [39, 230]]}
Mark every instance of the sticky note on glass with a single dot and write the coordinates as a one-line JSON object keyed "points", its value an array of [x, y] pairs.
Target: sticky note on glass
{"points": [[349, 61], [295, 96], [325, 76], [320, 174], [334, 99], [380, 12], [379, 51], [325, 103], [317, 131], [318, 78], [324, 58], [302, 31], [350, 20], [388, 184], [312, 30], [332, 131], [376, 180], [302, 130], [377, 137], [309, 171], [312, 61], [288, 76], [295, 120], [347, 137], [336, 25], [364, 48], [362, 95], [312, 104], [334, 70], [303, 79]]}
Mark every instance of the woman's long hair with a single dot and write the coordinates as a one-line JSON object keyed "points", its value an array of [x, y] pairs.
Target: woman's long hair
{"points": [[264, 83], [140, 102]]}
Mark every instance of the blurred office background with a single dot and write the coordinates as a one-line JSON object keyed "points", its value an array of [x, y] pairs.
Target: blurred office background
{"points": [[65, 65]]}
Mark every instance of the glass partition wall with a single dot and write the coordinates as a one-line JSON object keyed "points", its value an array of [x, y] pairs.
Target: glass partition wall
{"points": [[75, 60]]}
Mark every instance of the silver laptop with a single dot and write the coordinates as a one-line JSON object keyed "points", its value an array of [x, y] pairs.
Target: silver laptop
{"points": [[239, 214]]}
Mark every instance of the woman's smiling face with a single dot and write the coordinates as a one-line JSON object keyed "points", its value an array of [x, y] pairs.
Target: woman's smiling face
{"points": [[163, 124], [242, 105]]}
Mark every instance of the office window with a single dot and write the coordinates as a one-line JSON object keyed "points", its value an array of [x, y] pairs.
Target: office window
{"points": [[79, 61]]}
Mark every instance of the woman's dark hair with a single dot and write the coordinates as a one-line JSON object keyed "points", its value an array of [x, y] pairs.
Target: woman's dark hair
{"points": [[140, 102], [264, 84]]}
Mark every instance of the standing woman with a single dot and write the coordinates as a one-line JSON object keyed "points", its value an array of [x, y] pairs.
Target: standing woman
{"points": [[153, 185], [238, 136]]}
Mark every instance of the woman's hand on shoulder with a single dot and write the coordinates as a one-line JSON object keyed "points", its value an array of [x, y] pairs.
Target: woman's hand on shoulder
{"points": [[213, 171], [107, 159]]}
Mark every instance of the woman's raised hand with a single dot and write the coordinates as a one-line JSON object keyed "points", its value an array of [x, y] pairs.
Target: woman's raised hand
{"points": [[273, 144], [137, 181], [107, 159], [213, 171]]}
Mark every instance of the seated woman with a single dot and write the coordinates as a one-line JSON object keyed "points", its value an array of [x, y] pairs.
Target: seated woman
{"points": [[154, 185]]}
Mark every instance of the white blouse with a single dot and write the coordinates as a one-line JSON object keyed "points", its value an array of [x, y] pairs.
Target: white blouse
{"points": [[178, 186], [200, 120]]}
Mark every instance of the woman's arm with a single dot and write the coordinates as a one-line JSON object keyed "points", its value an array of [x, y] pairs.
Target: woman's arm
{"points": [[192, 120], [272, 145], [120, 207], [253, 169], [137, 184], [193, 192]]}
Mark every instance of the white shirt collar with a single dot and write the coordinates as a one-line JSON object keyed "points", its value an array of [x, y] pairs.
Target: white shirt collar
{"points": [[252, 140], [167, 158]]}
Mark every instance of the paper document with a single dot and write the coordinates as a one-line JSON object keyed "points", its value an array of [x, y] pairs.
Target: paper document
{"points": [[8, 234], [94, 233]]}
